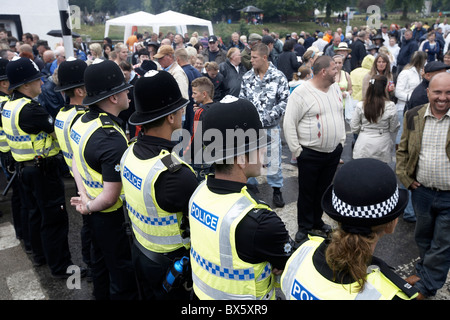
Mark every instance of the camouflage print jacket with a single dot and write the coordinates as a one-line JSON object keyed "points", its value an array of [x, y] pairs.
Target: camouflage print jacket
{"points": [[269, 95]]}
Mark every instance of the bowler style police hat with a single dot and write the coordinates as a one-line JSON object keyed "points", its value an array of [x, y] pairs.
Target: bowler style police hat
{"points": [[156, 95], [70, 74], [3, 64], [236, 114], [102, 79], [21, 71], [364, 194]]}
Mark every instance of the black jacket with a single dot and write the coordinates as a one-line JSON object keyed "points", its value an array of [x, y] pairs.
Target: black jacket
{"points": [[232, 79], [288, 64], [418, 96], [358, 53]]}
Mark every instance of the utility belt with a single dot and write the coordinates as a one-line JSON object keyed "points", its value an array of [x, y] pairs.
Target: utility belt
{"points": [[45, 164], [174, 278]]}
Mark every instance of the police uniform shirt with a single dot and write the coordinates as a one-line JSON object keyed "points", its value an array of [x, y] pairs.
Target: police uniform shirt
{"points": [[105, 147], [33, 118], [172, 189], [261, 235]]}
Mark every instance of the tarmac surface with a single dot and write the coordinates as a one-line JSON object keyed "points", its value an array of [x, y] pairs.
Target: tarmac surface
{"points": [[19, 280]]}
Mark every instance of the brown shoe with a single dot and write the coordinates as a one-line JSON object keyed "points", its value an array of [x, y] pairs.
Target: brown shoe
{"points": [[421, 297], [412, 279]]}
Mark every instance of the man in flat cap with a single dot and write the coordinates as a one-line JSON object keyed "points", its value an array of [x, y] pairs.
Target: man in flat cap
{"points": [[253, 40]]}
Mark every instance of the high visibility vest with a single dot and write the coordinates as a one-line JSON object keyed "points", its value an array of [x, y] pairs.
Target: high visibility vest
{"points": [[4, 147], [154, 228], [79, 136], [217, 271], [24, 146], [301, 281], [63, 123]]}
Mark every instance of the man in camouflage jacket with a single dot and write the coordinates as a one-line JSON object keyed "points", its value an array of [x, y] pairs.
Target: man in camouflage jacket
{"points": [[267, 88]]}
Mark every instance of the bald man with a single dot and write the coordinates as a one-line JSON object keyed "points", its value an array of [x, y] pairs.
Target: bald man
{"points": [[423, 164]]}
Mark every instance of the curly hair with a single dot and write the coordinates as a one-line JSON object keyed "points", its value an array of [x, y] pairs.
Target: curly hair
{"points": [[350, 254]]}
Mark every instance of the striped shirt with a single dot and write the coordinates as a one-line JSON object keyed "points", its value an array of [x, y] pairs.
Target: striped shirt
{"points": [[314, 119], [433, 170]]}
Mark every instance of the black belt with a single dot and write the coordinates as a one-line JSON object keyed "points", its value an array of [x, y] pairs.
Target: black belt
{"points": [[437, 190]]}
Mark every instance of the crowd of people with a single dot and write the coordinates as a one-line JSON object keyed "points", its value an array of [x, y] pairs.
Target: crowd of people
{"points": [[108, 117]]}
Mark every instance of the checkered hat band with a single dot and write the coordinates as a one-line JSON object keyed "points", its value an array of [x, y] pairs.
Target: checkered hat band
{"points": [[378, 210]]}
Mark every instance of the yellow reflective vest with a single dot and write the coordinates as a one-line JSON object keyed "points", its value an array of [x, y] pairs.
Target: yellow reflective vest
{"points": [[154, 228], [217, 271], [63, 123], [4, 147], [301, 281], [24, 146], [79, 136]]}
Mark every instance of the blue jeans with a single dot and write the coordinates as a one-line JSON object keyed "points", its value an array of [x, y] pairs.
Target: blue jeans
{"points": [[432, 237], [408, 213], [274, 174]]}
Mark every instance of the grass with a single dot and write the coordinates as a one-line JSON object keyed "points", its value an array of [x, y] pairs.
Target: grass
{"points": [[224, 30]]}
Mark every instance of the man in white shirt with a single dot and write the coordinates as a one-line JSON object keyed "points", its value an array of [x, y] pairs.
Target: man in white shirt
{"points": [[166, 59], [314, 129]]}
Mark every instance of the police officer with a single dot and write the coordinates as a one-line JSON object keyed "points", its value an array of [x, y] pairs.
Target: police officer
{"points": [[70, 81], [366, 202], [19, 211], [30, 134], [98, 143], [238, 243], [157, 185]]}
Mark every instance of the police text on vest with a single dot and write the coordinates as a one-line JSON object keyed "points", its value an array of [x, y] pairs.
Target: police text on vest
{"points": [[206, 218]]}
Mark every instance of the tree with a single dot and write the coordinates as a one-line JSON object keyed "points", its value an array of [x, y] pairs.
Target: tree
{"points": [[331, 6], [405, 5]]}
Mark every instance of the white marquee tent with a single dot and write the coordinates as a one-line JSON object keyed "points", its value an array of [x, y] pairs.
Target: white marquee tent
{"points": [[165, 19], [140, 18]]}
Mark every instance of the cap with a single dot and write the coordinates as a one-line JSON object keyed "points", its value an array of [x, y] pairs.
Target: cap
{"points": [[164, 50], [156, 95], [435, 66], [212, 38], [103, 78], [267, 39], [70, 74], [364, 193], [254, 37], [21, 71]]}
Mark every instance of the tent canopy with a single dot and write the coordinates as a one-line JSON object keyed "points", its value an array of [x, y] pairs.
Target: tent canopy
{"points": [[140, 18], [165, 19], [251, 9]]}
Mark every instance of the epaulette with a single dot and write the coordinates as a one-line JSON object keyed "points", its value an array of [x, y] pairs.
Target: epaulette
{"points": [[404, 286], [172, 164]]}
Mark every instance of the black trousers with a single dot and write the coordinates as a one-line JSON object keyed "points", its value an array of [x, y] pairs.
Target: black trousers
{"points": [[151, 275], [112, 269], [315, 173], [44, 197], [18, 209]]}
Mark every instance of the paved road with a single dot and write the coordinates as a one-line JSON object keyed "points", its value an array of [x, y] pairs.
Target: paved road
{"points": [[19, 280]]}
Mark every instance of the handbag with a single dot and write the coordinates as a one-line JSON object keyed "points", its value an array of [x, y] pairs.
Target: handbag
{"points": [[349, 104]]}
